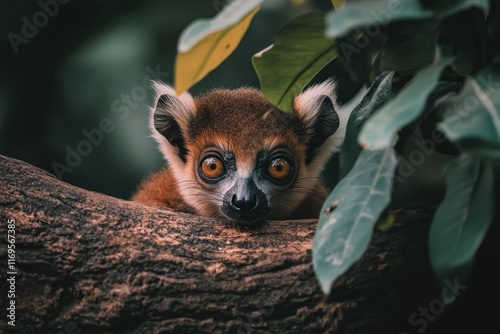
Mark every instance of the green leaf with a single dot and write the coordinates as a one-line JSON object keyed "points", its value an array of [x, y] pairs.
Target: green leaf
{"points": [[349, 215], [380, 12], [462, 220], [380, 130], [377, 95], [300, 51], [205, 44], [472, 119]]}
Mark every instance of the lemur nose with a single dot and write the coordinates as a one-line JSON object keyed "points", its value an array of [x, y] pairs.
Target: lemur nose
{"points": [[246, 204], [245, 201]]}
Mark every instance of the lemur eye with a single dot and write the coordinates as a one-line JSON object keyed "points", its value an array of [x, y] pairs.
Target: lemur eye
{"points": [[212, 168], [279, 169]]}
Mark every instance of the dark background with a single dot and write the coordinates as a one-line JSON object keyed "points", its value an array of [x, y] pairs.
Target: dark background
{"points": [[88, 63], [74, 70]]}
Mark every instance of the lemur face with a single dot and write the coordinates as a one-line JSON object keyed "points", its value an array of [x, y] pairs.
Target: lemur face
{"points": [[234, 155]]}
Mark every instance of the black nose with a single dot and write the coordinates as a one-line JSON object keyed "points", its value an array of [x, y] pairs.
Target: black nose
{"points": [[245, 204], [245, 201]]}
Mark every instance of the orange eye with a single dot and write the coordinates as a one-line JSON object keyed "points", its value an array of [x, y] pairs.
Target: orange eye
{"points": [[279, 169], [212, 167]]}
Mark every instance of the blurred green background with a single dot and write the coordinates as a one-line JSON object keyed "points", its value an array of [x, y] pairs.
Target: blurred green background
{"points": [[91, 58], [89, 61]]}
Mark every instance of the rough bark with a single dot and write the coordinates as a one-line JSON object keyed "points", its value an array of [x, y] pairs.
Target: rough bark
{"points": [[89, 263]]}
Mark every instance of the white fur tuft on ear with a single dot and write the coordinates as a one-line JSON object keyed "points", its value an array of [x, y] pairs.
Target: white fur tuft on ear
{"points": [[179, 108], [310, 108], [307, 104]]}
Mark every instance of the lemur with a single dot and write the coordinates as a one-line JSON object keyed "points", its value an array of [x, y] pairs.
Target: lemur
{"points": [[233, 154]]}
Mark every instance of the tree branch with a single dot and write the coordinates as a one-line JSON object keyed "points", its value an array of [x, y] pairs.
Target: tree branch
{"points": [[90, 263]]}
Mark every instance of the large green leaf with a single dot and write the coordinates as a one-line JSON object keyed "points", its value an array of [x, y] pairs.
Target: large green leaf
{"points": [[300, 51], [472, 119], [349, 214], [376, 96], [462, 220], [380, 12], [379, 131], [206, 43]]}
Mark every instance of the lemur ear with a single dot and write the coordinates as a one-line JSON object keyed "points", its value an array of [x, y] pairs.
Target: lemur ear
{"points": [[170, 120], [325, 124]]}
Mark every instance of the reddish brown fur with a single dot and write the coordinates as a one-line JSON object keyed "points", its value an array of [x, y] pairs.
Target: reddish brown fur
{"points": [[243, 119], [160, 189], [239, 113]]}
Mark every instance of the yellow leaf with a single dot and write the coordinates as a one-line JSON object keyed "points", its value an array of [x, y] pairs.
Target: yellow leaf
{"points": [[337, 4], [208, 53], [385, 222]]}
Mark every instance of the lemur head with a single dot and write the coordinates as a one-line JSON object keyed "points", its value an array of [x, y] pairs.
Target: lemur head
{"points": [[235, 155]]}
